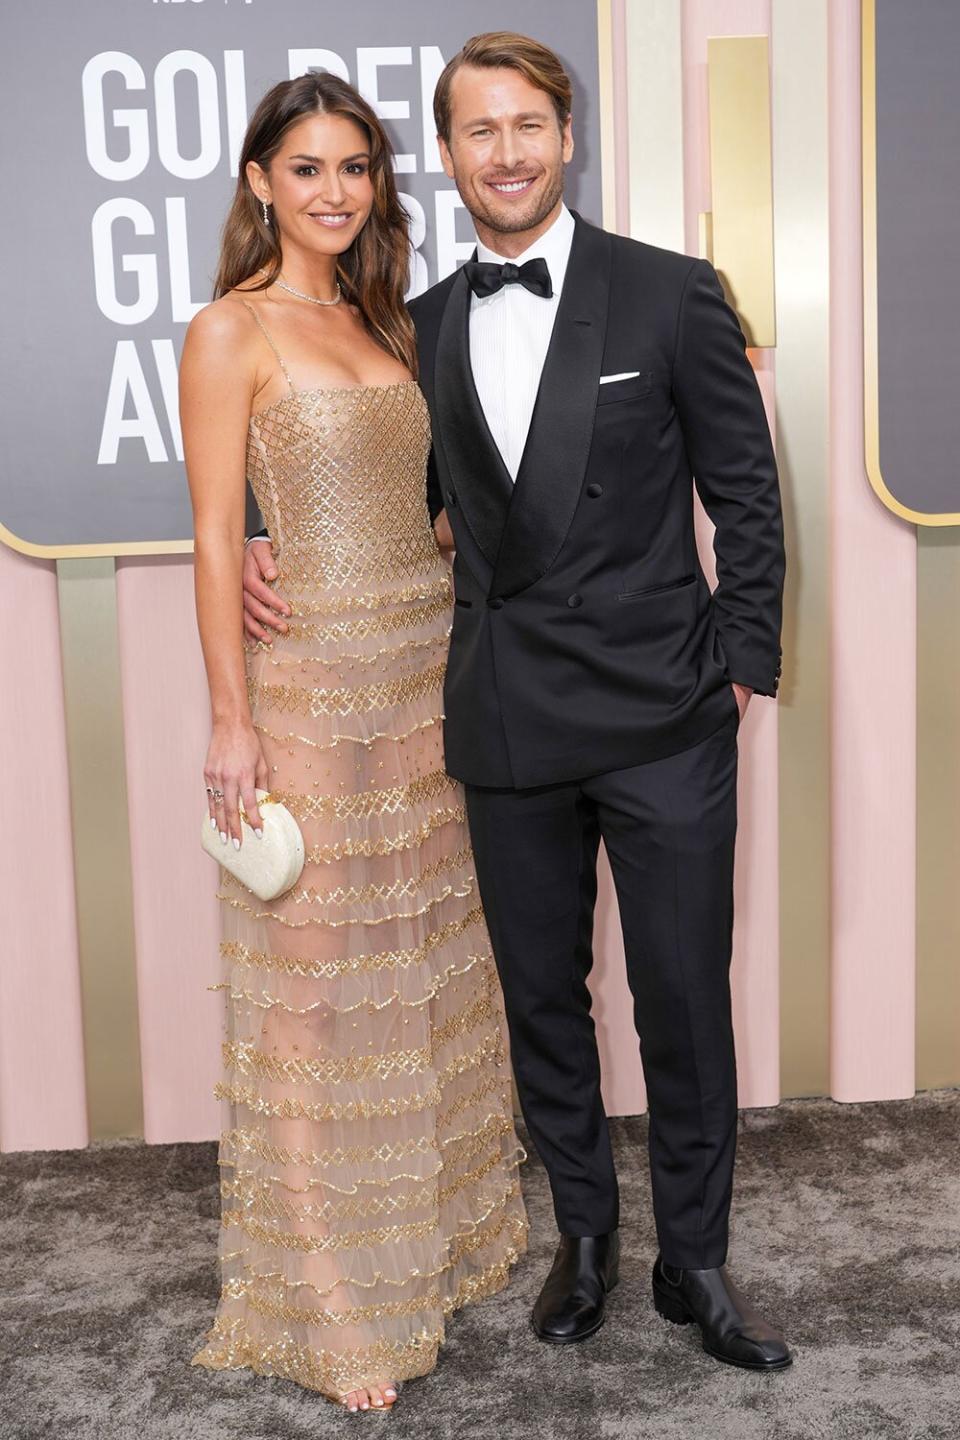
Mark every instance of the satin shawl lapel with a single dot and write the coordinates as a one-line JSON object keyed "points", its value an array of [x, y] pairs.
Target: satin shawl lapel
{"points": [[558, 444], [483, 485]]}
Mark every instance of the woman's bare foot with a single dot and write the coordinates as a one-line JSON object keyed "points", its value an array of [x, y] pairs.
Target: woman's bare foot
{"points": [[379, 1398]]}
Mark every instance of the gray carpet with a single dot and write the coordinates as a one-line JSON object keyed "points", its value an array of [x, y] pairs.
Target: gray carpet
{"points": [[845, 1230]]}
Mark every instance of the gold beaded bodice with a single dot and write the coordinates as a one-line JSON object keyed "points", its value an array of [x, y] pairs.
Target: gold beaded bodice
{"points": [[339, 475]]}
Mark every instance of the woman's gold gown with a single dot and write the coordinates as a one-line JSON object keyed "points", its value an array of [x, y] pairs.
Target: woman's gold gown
{"points": [[369, 1160]]}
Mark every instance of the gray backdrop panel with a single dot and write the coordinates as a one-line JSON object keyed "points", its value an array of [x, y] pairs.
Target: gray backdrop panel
{"points": [[918, 251], [70, 475]]}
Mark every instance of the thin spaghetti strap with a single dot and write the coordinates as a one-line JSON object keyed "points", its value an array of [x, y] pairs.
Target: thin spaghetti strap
{"points": [[269, 339]]}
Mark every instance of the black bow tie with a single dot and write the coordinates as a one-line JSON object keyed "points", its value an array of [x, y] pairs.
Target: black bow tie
{"points": [[486, 278]]}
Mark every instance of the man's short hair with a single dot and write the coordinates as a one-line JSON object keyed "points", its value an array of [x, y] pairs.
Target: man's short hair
{"points": [[503, 48]]}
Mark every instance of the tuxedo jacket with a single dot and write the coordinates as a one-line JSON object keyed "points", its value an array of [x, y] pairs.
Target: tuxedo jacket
{"points": [[585, 637]]}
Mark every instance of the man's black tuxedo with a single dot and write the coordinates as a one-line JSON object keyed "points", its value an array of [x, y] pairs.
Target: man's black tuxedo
{"points": [[588, 696], [585, 636]]}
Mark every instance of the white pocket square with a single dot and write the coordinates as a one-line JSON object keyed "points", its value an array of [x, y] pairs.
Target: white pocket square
{"points": [[627, 375]]}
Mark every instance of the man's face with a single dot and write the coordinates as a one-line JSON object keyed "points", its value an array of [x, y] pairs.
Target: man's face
{"points": [[507, 149]]}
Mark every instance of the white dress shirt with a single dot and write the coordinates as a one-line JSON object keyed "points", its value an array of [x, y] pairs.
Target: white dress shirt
{"points": [[509, 335]]}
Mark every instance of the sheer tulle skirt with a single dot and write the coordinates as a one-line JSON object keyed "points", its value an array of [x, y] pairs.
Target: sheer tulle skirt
{"points": [[369, 1161]]}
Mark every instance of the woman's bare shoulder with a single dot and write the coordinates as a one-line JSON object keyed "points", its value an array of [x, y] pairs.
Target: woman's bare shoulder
{"points": [[224, 322]]}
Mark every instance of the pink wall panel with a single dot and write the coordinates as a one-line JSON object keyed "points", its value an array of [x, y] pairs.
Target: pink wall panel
{"points": [[873, 613], [755, 974], [756, 967], [42, 1087], [623, 1088], [166, 724]]}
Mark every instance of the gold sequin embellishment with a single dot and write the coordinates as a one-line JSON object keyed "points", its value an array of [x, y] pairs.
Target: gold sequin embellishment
{"points": [[346, 699], [369, 1180]]}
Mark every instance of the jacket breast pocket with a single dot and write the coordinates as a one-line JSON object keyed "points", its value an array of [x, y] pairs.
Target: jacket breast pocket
{"points": [[634, 388]]}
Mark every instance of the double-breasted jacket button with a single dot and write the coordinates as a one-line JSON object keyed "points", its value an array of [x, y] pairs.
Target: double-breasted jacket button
{"points": [[574, 600], [594, 491], [495, 604]]}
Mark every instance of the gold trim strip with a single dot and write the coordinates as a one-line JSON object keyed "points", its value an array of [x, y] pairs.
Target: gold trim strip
{"points": [[938, 810], [100, 551], [401, 888], [292, 738], [291, 661], [325, 604], [272, 1002], [363, 626], [344, 699], [241, 1142], [802, 281], [871, 358], [243, 1058], [460, 893], [366, 804], [104, 882], [241, 954]]}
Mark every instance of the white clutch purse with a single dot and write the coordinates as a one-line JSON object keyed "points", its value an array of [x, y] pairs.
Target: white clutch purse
{"points": [[267, 866]]}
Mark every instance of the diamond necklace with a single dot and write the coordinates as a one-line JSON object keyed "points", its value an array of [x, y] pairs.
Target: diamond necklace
{"points": [[312, 298]]}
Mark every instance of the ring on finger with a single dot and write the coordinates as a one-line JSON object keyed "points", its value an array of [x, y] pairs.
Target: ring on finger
{"points": [[217, 795]]}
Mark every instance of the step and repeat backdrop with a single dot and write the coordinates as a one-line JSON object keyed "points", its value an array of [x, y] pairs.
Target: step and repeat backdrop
{"points": [[122, 121], [135, 117]]}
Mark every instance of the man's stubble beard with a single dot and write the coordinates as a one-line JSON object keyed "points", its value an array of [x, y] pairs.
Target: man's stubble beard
{"points": [[517, 222]]}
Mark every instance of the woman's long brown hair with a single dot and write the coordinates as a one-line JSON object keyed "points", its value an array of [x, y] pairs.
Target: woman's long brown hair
{"points": [[373, 272]]}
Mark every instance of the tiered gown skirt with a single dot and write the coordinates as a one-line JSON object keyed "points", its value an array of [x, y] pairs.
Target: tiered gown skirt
{"points": [[369, 1162]]}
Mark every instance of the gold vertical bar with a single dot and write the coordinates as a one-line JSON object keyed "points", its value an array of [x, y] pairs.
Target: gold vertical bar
{"points": [[801, 219], [938, 808], [741, 184], [98, 802]]}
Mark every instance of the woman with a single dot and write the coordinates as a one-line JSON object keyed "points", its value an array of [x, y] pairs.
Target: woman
{"points": [[370, 1181]]}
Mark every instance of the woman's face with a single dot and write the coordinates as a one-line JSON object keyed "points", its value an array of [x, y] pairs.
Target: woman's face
{"points": [[318, 184]]}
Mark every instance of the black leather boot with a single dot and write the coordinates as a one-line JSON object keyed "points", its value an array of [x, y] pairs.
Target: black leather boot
{"points": [[571, 1304], [732, 1330]]}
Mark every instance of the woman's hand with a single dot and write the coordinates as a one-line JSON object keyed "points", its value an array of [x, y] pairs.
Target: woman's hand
{"points": [[234, 771], [263, 608], [444, 534]]}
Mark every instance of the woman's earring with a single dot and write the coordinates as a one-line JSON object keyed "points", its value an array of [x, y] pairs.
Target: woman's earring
{"points": [[266, 217]]}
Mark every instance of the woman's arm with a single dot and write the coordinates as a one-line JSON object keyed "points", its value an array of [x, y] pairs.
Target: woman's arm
{"points": [[217, 384]]}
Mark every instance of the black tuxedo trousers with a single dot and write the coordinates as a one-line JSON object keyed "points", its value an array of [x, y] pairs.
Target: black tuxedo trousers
{"points": [[668, 827]]}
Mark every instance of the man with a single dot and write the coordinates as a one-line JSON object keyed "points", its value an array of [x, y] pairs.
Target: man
{"points": [[579, 384]]}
